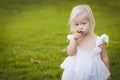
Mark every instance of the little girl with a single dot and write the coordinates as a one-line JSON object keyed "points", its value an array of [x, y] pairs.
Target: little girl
{"points": [[88, 59]]}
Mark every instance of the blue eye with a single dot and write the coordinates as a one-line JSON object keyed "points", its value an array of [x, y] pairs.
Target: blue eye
{"points": [[83, 23], [76, 24]]}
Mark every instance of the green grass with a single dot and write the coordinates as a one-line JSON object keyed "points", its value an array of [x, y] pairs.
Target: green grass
{"points": [[37, 29]]}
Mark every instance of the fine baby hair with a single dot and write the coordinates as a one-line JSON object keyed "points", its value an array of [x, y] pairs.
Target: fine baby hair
{"points": [[82, 11]]}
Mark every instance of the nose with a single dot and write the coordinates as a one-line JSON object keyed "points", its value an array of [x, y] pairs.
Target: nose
{"points": [[80, 27]]}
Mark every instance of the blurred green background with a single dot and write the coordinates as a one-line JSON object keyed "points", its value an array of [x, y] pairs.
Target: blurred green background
{"points": [[37, 29]]}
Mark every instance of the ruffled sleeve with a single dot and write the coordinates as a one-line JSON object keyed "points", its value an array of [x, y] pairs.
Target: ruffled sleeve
{"points": [[103, 38], [69, 37]]}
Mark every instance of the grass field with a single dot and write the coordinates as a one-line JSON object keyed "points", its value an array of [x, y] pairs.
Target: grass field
{"points": [[37, 29]]}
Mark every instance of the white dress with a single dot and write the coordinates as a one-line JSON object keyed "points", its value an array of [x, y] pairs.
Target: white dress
{"points": [[86, 65]]}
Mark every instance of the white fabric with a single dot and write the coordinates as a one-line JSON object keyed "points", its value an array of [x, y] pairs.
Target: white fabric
{"points": [[69, 37], [86, 65]]}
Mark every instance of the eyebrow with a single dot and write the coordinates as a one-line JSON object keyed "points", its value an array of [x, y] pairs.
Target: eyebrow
{"points": [[80, 21]]}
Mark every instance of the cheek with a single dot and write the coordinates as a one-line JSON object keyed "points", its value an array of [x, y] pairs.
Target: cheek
{"points": [[74, 29], [87, 27], [87, 24]]}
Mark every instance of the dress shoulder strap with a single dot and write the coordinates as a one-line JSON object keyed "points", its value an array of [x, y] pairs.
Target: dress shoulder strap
{"points": [[103, 38]]}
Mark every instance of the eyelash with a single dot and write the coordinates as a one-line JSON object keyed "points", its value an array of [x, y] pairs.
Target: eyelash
{"points": [[76, 24], [81, 23]]}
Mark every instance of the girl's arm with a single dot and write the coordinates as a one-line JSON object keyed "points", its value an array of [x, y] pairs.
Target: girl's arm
{"points": [[104, 57], [72, 47]]}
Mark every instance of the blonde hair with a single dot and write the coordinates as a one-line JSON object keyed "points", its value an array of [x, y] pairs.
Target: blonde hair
{"points": [[81, 11]]}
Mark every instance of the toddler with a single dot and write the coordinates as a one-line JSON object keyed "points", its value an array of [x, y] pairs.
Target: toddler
{"points": [[87, 56]]}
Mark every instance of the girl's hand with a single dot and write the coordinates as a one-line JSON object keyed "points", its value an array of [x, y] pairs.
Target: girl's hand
{"points": [[78, 35]]}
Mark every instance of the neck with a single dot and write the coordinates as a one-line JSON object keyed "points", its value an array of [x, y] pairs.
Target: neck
{"points": [[89, 34], [87, 37]]}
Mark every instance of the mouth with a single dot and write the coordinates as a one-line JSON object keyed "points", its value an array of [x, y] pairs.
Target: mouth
{"points": [[80, 32]]}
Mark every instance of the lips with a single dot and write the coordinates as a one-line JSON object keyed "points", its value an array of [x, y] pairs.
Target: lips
{"points": [[80, 32]]}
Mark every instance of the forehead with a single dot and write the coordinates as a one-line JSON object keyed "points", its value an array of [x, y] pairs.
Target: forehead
{"points": [[79, 19]]}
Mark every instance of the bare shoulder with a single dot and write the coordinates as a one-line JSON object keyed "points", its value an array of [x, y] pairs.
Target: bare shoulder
{"points": [[94, 35]]}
